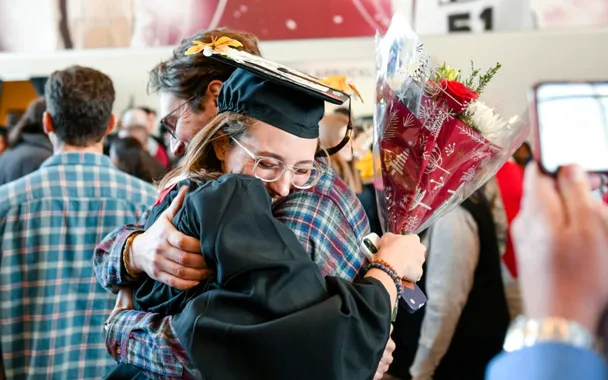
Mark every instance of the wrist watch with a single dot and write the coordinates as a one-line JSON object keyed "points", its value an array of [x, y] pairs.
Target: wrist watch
{"points": [[526, 332]]}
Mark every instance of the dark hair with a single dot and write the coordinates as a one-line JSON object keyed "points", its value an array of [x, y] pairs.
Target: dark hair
{"points": [[342, 111], [149, 111], [188, 76], [79, 101], [30, 122], [130, 158], [3, 131]]}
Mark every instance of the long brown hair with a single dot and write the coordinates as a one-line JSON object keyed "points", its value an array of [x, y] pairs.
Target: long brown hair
{"points": [[200, 162]]}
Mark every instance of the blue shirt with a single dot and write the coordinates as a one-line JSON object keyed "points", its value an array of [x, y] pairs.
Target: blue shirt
{"points": [[548, 361], [51, 307]]}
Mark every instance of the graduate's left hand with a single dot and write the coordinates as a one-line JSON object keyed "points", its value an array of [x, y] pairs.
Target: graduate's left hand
{"points": [[387, 358]]}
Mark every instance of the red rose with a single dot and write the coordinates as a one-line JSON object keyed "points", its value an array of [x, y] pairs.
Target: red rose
{"points": [[457, 95]]}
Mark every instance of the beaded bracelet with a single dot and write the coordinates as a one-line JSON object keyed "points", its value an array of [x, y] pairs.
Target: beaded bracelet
{"points": [[388, 269]]}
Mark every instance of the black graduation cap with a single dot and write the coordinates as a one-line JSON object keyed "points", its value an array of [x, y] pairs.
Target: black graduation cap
{"points": [[285, 107], [277, 95]]}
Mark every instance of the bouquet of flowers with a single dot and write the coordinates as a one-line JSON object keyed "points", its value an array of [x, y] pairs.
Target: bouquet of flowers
{"points": [[435, 141]]}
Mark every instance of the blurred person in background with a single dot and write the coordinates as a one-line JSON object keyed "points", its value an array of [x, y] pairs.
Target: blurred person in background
{"points": [[332, 129], [510, 180], [154, 145], [152, 118], [136, 131], [51, 307], [129, 155], [13, 117], [523, 155], [29, 145], [466, 317], [561, 239], [364, 157], [3, 138]]}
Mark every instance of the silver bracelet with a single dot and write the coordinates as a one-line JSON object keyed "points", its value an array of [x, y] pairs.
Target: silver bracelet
{"points": [[526, 332]]}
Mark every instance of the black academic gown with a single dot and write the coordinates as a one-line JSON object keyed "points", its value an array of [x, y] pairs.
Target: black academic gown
{"points": [[269, 314]]}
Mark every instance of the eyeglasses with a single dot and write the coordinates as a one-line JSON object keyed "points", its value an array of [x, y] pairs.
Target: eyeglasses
{"points": [[170, 126], [270, 169]]}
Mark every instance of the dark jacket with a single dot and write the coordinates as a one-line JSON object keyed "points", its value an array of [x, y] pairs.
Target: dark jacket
{"points": [[268, 314], [25, 157]]}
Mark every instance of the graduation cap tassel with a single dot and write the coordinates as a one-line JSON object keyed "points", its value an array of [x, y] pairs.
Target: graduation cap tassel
{"points": [[345, 140]]}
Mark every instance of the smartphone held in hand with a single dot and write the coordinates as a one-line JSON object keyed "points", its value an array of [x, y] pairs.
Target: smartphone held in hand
{"points": [[571, 124]]}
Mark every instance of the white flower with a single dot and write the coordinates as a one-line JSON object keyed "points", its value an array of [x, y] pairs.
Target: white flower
{"points": [[487, 120]]}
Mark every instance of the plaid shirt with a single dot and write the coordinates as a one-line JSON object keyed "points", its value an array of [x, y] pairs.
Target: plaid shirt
{"points": [[52, 308], [328, 220]]}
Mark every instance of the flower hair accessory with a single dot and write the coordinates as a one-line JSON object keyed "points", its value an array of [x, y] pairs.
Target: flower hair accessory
{"points": [[340, 83], [217, 45]]}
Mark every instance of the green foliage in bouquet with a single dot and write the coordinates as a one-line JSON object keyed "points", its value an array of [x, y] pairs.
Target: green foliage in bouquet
{"points": [[482, 80]]}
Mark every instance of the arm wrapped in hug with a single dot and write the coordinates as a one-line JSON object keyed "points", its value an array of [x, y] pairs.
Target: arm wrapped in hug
{"points": [[273, 316]]}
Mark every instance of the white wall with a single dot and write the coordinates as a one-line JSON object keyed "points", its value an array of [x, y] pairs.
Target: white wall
{"points": [[526, 57]]}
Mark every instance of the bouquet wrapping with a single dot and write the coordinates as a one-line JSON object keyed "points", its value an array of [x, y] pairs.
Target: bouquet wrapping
{"points": [[435, 141]]}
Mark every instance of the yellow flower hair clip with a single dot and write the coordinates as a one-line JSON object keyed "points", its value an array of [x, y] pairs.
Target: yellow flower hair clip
{"points": [[219, 45], [341, 84]]}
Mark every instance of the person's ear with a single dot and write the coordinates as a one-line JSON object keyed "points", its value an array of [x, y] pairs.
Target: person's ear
{"points": [[111, 124], [220, 146], [47, 123], [213, 90]]}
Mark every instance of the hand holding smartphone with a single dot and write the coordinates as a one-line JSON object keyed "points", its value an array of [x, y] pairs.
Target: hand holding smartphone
{"points": [[571, 124]]}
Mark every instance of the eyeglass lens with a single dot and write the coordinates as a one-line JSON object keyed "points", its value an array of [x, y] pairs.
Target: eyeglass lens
{"points": [[303, 176]]}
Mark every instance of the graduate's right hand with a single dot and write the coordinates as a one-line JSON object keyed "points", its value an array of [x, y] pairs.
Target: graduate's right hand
{"points": [[405, 253], [167, 255]]}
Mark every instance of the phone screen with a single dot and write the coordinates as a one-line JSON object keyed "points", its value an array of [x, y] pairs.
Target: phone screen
{"points": [[573, 125]]}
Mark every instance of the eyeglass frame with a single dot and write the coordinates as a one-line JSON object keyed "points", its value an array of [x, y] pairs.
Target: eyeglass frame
{"points": [[286, 167], [163, 122]]}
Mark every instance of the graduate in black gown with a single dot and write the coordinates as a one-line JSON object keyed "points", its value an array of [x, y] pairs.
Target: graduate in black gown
{"points": [[268, 313]]}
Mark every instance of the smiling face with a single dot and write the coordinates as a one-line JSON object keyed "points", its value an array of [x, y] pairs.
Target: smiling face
{"points": [[265, 140]]}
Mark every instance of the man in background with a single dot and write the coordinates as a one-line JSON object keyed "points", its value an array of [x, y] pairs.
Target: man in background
{"points": [[51, 307]]}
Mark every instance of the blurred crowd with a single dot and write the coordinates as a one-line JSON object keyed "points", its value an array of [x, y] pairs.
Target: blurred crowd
{"points": [[468, 251]]}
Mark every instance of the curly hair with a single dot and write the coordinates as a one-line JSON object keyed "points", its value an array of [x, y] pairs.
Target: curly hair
{"points": [[188, 76], [79, 101]]}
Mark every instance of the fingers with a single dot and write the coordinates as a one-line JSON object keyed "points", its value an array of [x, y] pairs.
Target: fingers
{"points": [[540, 195], [576, 193], [187, 259], [183, 242], [177, 203], [184, 265], [175, 282], [390, 348]]}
